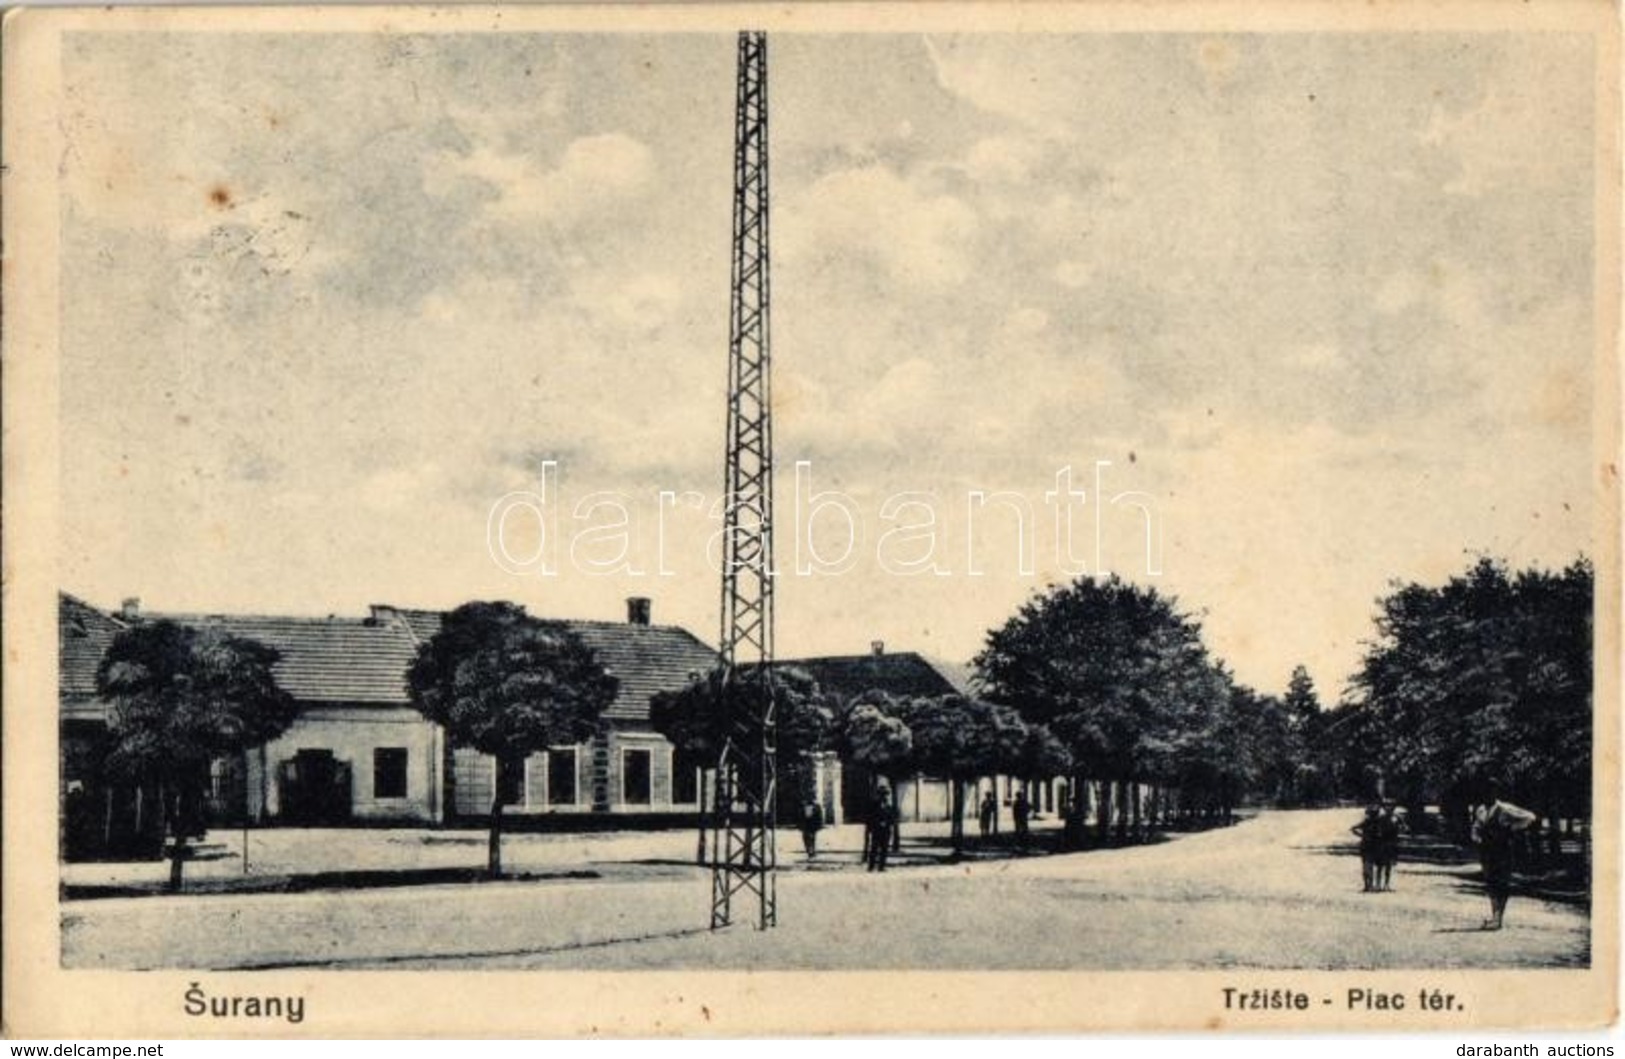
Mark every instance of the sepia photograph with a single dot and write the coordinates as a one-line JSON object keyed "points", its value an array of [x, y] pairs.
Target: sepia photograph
{"points": [[1040, 496]]}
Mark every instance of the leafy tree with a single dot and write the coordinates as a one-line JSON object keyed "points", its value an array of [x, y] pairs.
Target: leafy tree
{"points": [[1042, 755], [691, 718], [1301, 702], [1481, 687], [1294, 772], [509, 685], [181, 697], [876, 738], [697, 719], [805, 725], [1115, 671], [872, 734], [961, 739]]}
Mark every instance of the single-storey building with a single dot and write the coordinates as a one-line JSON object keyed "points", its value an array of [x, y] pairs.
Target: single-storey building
{"points": [[902, 675], [911, 675], [359, 753]]}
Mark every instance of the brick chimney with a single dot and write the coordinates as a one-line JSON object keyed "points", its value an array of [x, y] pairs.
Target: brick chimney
{"points": [[130, 609], [877, 647], [638, 610]]}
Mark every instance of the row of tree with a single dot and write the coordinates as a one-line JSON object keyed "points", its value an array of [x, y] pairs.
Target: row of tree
{"points": [[1121, 679], [1105, 683], [1477, 688]]}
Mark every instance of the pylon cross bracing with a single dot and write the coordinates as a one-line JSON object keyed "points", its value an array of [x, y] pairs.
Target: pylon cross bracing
{"points": [[743, 857]]}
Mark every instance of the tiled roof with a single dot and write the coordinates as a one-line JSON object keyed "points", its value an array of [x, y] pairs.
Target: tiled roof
{"points": [[82, 636], [903, 674], [327, 659], [364, 660], [644, 658]]}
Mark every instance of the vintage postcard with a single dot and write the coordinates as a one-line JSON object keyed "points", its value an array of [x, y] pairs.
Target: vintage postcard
{"points": [[811, 519]]}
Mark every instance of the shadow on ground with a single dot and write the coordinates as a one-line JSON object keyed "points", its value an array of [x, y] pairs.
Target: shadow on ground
{"points": [[316, 881]]}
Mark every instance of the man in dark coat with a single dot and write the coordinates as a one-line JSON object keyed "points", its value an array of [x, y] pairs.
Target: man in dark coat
{"points": [[812, 820], [877, 842], [1495, 829], [1369, 832], [987, 814], [1385, 848]]}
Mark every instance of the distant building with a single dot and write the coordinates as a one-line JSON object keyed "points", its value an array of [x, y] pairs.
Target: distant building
{"points": [[910, 675], [359, 753], [902, 675], [630, 768]]}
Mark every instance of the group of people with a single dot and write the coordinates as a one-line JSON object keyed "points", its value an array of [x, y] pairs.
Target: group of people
{"points": [[881, 828], [1021, 811], [1379, 847], [877, 833], [1495, 828]]}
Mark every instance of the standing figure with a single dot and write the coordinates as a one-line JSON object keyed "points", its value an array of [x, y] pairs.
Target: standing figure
{"points": [[1368, 831], [1020, 811], [1385, 853], [987, 814], [877, 844], [1495, 829], [812, 821]]}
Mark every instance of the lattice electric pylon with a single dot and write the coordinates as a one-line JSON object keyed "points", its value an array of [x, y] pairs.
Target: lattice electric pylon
{"points": [[743, 856]]}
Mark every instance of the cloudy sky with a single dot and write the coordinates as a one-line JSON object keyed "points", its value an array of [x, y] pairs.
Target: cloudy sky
{"points": [[1324, 300]]}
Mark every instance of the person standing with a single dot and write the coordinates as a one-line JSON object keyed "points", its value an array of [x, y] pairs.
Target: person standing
{"points": [[879, 831], [812, 821], [1020, 812], [987, 814], [1367, 830], [1495, 829], [1385, 850]]}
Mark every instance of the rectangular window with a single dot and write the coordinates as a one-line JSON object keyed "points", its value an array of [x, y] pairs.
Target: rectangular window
{"points": [[636, 767], [389, 772], [561, 777], [685, 778]]}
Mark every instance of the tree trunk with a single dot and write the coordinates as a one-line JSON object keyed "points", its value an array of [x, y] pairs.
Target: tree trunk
{"points": [[493, 866], [1077, 810], [1139, 836], [897, 815], [1103, 811], [958, 810], [177, 831], [177, 859], [699, 838]]}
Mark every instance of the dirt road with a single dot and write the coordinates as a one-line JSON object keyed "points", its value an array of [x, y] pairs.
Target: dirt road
{"points": [[1279, 891]]}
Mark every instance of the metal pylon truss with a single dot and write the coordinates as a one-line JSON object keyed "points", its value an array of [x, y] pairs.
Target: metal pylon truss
{"points": [[743, 856]]}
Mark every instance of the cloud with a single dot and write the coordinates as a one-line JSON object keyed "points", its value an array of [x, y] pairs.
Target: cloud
{"points": [[916, 236], [1003, 160], [593, 175], [977, 70], [1306, 279]]}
